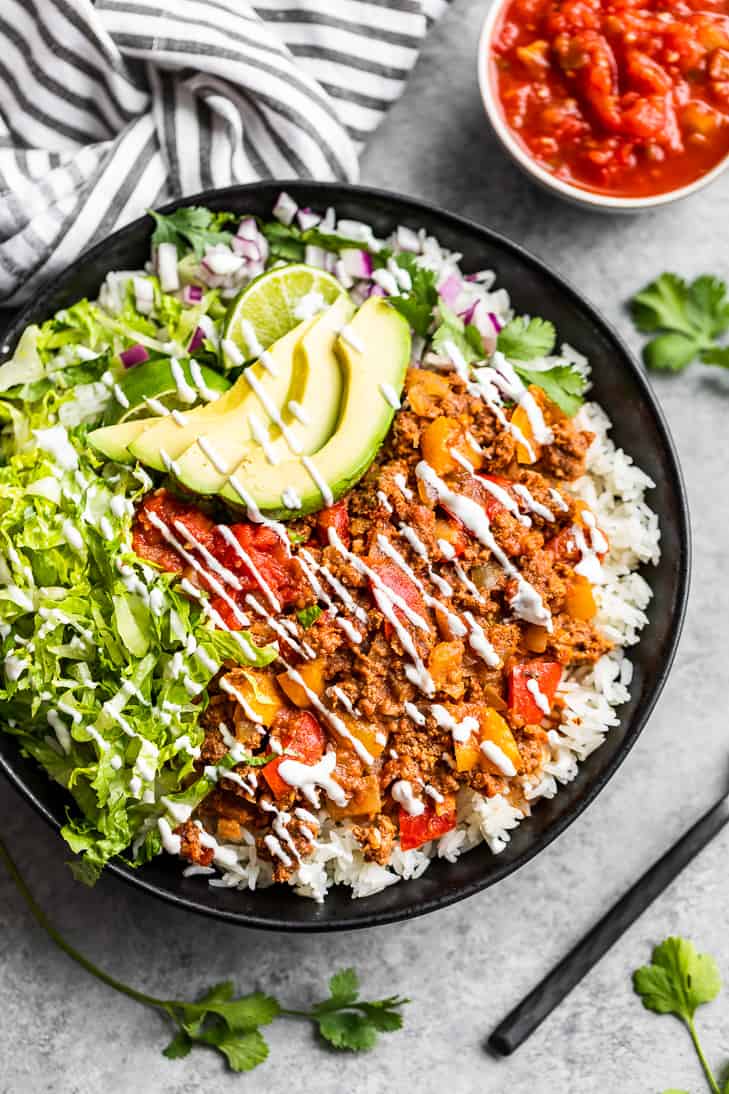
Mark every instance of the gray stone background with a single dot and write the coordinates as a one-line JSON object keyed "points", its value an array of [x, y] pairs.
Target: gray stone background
{"points": [[62, 1032]]}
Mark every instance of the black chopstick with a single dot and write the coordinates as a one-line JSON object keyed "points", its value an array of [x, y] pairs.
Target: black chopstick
{"points": [[539, 1003]]}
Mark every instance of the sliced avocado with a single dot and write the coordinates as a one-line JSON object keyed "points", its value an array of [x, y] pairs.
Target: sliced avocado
{"points": [[373, 376], [113, 441], [174, 434], [155, 380], [316, 389]]}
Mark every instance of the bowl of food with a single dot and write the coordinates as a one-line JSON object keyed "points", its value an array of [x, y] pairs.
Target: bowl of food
{"points": [[614, 107], [333, 588]]}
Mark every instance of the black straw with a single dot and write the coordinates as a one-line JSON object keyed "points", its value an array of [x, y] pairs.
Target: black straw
{"points": [[539, 1004]]}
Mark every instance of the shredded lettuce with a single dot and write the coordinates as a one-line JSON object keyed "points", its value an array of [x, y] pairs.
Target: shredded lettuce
{"points": [[104, 665]]}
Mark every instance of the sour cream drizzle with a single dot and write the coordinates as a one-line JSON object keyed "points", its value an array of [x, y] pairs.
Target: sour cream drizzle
{"points": [[527, 603], [307, 777]]}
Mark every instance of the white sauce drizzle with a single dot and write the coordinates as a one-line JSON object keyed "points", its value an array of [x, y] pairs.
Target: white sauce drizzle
{"points": [[261, 435], [297, 411], [257, 576], [213, 455], [390, 396], [319, 481], [402, 793], [198, 380], [414, 714], [185, 392], [532, 503], [538, 696], [498, 758], [307, 777], [272, 410]]}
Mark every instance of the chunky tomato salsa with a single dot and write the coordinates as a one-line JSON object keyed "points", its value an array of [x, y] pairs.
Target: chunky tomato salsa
{"points": [[626, 97]]}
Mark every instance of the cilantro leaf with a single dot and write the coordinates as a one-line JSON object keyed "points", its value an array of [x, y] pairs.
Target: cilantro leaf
{"points": [[689, 317], [348, 1030], [243, 1051], [191, 228], [308, 616], [179, 1046], [289, 242], [454, 332], [241, 1014], [564, 385], [718, 355], [670, 352], [524, 339], [679, 979], [417, 305], [344, 987]]}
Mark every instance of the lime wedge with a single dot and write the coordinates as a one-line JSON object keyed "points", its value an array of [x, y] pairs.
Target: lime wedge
{"points": [[274, 304], [156, 380]]}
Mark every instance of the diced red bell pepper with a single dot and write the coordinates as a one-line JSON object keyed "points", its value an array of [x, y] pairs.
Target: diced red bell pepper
{"points": [[269, 555], [547, 675], [336, 517], [415, 831], [303, 739], [398, 582], [491, 504]]}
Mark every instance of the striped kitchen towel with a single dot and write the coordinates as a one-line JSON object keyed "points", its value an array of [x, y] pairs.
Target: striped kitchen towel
{"points": [[113, 107]]}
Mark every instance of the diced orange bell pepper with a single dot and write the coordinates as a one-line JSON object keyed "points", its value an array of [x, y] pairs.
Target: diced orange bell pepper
{"points": [[520, 420], [467, 753], [453, 532], [261, 694], [228, 830], [415, 831], [436, 442], [366, 733], [444, 662], [494, 729], [535, 638], [546, 674], [580, 599], [305, 742], [312, 673], [365, 802], [426, 390]]}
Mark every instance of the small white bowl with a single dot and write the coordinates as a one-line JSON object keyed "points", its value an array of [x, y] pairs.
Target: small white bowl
{"points": [[587, 198]]}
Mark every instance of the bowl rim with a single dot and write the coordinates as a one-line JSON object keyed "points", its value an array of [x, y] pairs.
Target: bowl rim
{"points": [[591, 199], [328, 193]]}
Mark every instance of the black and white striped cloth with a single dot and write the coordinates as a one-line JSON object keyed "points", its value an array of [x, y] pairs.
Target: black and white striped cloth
{"points": [[110, 108]]}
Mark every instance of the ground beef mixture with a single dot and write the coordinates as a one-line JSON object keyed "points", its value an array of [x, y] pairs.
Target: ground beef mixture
{"points": [[414, 658]]}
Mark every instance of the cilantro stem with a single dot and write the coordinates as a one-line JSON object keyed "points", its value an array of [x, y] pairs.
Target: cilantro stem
{"points": [[699, 1052], [41, 918]]}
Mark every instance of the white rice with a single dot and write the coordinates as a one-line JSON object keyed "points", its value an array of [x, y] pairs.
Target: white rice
{"points": [[615, 490]]}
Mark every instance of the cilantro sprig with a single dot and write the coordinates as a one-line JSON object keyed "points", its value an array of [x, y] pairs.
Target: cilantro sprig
{"points": [[418, 303], [686, 320], [192, 227], [525, 339], [289, 242], [231, 1024], [678, 981]]}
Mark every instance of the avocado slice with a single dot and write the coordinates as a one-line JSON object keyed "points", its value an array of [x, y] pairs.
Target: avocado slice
{"points": [[373, 374], [173, 435], [155, 380], [316, 389], [113, 441]]}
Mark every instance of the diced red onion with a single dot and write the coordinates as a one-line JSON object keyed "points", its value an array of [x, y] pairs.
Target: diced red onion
{"points": [[307, 219], [253, 269], [285, 208], [495, 323], [167, 267], [343, 276], [407, 239], [315, 256], [192, 294], [248, 248], [450, 290], [376, 290], [468, 314], [136, 354], [143, 295], [197, 340], [387, 281], [247, 229], [222, 263], [357, 263], [330, 262]]}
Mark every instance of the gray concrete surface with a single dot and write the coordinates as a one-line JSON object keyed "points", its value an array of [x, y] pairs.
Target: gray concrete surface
{"points": [[64, 1033]]}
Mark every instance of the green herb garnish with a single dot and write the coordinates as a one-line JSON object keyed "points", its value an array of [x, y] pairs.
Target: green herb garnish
{"points": [[288, 242], [563, 384], [678, 981], [308, 616], [689, 317], [524, 339], [464, 336], [191, 227], [232, 1024], [417, 305]]}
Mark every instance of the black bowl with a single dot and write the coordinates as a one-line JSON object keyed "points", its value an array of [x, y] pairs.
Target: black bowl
{"points": [[619, 385]]}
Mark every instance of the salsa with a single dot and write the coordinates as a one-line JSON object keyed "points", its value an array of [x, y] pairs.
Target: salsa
{"points": [[625, 97]]}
